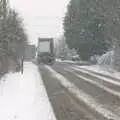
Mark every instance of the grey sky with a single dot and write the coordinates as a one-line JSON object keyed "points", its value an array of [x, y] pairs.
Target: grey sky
{"points": [[42, 18]]}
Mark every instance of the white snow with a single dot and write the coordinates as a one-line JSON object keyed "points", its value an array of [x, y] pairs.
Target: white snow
{"points": [[116, 93], [24, 97], [112, 81], [102, 70], [68, 61], [58, 60], [74, 62]]}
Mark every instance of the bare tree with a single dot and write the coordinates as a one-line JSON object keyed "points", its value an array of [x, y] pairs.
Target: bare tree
{"points": [[3, 43], [16, 36], [12, 38]]}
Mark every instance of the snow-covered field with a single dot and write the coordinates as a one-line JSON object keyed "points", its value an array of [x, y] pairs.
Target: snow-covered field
{"points": [[24, 97]]}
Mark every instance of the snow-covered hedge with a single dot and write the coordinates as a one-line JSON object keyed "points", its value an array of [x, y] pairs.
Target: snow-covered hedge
{"points": [[94, 59], [107, 60]]}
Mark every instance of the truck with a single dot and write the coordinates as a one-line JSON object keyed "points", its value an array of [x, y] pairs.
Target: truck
{"points": [[30, 52], [45, 51]]}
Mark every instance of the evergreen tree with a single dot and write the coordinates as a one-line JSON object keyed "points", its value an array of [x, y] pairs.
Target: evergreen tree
{"points": [[84, 28]]}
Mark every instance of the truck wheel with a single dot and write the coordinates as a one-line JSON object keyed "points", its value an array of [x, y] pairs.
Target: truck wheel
{"points": [[38, 62]]}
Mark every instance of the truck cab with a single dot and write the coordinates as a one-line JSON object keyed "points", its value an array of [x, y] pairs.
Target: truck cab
{"points": [[45, 51]]}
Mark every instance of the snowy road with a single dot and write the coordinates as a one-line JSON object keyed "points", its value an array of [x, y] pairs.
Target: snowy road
{"points": [[78, 94], [59, 92]]}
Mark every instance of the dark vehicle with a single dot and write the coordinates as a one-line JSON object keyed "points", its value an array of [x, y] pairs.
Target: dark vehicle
{"points": [[62, 57], [76, 58], [30, 52], [45, 51]]}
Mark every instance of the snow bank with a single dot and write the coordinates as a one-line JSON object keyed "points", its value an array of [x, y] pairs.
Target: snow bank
{"points": [[58, 60], [68, 61], [74, 62], [23, 97], [107, 59]]}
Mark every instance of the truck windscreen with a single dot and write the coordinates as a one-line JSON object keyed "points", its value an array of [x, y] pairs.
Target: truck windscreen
{"points": [[44, 46]]}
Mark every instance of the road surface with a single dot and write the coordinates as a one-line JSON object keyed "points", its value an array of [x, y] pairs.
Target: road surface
{"points": [[79, 94]]}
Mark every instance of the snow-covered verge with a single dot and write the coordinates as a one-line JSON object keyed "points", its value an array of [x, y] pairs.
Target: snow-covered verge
{"points": [[103, 70], [74, 62], [24, 97]]}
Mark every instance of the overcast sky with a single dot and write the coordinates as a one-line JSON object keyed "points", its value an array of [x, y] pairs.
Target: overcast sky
{"points": [[42, 18]]}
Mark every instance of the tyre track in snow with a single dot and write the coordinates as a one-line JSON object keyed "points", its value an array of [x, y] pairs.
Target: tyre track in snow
{"points": [[108, 82], [100, 74], [106, 98], [109, 85], [64, 106], [99, 82], [112, 102], [67, 81]]}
